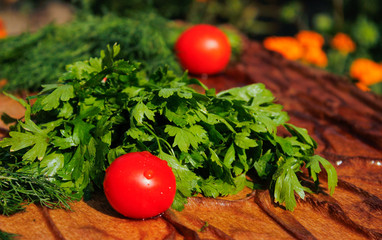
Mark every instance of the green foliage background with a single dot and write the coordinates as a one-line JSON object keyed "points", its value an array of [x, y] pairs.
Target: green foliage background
{"points": [[361, 20], [32, 59], [257, 19]]}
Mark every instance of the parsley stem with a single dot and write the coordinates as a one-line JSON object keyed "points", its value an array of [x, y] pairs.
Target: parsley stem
{"points": [[159, 139]]}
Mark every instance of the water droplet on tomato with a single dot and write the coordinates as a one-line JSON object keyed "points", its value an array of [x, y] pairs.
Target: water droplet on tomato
{"points": [[148, 174]]}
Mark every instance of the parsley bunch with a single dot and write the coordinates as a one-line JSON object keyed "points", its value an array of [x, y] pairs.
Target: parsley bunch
{"points": [[103, 108]]}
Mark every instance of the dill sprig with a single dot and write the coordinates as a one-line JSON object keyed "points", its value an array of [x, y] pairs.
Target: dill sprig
{"points": [[18, 189], [7, 236]]}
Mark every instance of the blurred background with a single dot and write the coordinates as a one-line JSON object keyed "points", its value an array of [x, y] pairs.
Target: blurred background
{"points": [[357, 53]]}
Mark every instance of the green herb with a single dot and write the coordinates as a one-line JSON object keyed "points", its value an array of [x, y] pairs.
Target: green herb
{"points": [[18, 189], [7, 236], [103, 108], [33, 59]]}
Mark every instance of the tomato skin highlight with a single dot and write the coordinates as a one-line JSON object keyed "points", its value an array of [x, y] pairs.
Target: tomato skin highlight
{"points": [[139, 185], [203, 49]]}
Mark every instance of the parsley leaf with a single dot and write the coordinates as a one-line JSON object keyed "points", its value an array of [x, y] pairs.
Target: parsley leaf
{"points": [[314, 167], [140, 111], [287, 183], [186, 137]]}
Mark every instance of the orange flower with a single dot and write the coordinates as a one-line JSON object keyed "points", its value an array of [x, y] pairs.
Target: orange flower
{"points": [[310, 39], [366, 71], [362, 86], [289, 47], [316, 56], [307, 45], [312, 43], [3, 33], [343, 43]]}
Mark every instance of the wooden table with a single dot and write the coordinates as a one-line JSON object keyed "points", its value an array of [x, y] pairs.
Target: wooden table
{"points": [[346, 123]]}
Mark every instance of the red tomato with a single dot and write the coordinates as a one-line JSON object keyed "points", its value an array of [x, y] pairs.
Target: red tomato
{"points": [[139, 185], [203, 49]]}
